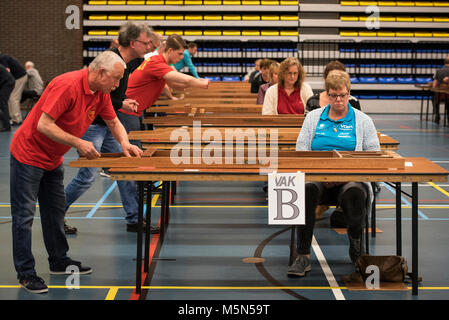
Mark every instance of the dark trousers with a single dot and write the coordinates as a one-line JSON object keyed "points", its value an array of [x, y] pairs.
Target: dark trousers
{"points": [[350, 196], [29, 184], [5, 91], [438, 98], [131, 123]]}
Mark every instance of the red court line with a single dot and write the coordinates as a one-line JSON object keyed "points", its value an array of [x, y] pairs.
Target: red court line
{"points": [[153, 245]]}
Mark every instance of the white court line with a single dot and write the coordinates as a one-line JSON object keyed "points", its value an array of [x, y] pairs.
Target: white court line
{"points": [[327, 271]]}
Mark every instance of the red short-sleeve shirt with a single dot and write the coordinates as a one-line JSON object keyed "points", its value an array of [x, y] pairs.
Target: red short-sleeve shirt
{"points": [[146, 83], [70, 102], [290, 104]]}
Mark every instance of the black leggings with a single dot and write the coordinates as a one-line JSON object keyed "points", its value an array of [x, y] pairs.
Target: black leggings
{"points": [[350, 196]]}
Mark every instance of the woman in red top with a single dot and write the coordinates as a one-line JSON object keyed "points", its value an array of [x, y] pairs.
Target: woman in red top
{"points": [[290, 94]]}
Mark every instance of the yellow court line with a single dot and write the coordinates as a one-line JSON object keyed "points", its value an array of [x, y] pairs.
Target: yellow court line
{"points": [[439, 189], [156, 197], [112, 293], [113, 289], [153, 202]]}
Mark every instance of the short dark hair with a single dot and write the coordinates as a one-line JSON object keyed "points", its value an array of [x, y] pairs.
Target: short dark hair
{"points": [[131, 31], [266, 63], [175, 42], [192, 45], [333, 65]]}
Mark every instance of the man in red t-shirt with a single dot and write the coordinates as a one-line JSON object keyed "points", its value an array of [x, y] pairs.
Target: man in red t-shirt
{"points": [[61, 116], [147, 82]]}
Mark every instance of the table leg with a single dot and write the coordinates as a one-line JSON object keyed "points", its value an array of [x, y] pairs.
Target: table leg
{"points": [[398, 220], [422, 104], [163, 204], [414, 238], [140, 186], [373, 218], [148, 225], [173, 192], [169, 200], [292, 245]]}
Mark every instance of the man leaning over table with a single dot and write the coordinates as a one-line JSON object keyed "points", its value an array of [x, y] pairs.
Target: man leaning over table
{"points": [[135, 40], [65, 110]]}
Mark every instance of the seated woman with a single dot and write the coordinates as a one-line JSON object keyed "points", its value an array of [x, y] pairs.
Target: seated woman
{"points": [[337, 126], [273, 76], [320, 98], [290, 94]]}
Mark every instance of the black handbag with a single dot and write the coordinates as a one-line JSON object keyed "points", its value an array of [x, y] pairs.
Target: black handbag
{"points": [[391, 268]]}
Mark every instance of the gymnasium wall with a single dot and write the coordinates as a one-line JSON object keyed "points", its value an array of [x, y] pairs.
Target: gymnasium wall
{"points": [[36, 31]]}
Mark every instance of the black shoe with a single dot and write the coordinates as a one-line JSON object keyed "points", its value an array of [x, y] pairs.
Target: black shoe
{"points": [[33, 284], [337, 219], [132, 227], [76, 268], [356, 249], [16, 123], [69, 230]]}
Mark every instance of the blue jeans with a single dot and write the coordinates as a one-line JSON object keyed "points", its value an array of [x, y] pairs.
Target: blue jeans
{"points": [[131, 123], [103, 141], [28, 185]]}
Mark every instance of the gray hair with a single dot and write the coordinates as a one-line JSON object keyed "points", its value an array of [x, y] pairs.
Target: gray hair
{"points": [[130, 31], [106, 60]]}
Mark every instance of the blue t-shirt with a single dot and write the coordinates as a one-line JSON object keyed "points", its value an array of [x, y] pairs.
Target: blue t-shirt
{"points": [[337, 135]]}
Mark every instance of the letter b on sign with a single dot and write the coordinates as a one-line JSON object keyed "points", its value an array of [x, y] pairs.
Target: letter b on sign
{"points": [[286, 198]]}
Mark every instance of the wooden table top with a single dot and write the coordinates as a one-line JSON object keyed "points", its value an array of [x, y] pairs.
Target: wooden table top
{"points": [[441, 89], [206, 100], [207, 108], [227, 120], [416, 170]]}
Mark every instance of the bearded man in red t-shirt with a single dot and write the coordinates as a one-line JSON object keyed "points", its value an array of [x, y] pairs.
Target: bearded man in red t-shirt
{"points": [[65, 110]]}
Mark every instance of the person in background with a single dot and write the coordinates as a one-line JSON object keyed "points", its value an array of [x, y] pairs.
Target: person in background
{"points": [[187, 59], [320, 98], [273, 75], [34, 85], [149, 80], [335, 127], [57, 122], [290, 94], [440, 79], [7, 82], [263, 77], [155, 42], [20, 75], [253, 72], [134, 42]]}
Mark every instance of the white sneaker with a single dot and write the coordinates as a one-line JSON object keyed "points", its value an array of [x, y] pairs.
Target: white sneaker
{"points": [[104, 174]]}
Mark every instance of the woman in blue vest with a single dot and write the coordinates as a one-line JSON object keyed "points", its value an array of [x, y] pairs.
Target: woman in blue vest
{"points": [[337, 126]]}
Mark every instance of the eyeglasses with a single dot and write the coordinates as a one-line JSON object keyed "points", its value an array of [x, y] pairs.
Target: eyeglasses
{"points": [[146, 43], [292, 74], [335, 96]]}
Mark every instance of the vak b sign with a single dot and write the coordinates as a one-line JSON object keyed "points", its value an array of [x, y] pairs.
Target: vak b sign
{"points": [[286, 201]]}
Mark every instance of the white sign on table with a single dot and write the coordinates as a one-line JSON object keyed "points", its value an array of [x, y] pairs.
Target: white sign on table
{"points": [[286, 199]]}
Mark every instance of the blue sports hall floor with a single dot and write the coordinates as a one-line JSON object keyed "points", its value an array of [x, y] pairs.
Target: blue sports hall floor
{"points": [[215, 226]]}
